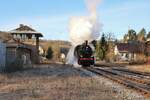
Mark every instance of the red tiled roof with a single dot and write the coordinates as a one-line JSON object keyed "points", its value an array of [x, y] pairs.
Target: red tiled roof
{"points": [[131, 47]]}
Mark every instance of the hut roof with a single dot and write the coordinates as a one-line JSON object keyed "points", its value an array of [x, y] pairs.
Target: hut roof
{"points": [[24, 29], [13, 43]]}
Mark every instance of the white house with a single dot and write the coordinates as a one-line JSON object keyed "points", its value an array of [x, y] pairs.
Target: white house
{"points": [[128, 51]]}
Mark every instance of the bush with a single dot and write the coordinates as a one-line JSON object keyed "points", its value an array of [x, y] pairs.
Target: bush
{"points": [[49, 53], [110, 57]]}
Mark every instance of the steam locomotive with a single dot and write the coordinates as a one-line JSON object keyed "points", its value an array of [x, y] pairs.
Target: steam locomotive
{"points": [[84, 54]]}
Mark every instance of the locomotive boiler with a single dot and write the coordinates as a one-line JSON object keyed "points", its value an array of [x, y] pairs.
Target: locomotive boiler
{"points": [[84, 54]]}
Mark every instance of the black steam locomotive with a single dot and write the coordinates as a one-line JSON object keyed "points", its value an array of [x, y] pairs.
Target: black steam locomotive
{"points": [[84, 54]]}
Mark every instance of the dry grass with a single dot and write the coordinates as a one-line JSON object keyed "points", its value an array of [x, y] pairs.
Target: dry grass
{"points": [[52, 83], [140, 68]]}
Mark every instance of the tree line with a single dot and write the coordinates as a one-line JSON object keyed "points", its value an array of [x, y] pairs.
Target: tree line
{"points": [[105, 45], [132, 35]]}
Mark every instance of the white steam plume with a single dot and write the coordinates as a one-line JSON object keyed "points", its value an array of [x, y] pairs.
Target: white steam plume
{"points": [[83, 28]]}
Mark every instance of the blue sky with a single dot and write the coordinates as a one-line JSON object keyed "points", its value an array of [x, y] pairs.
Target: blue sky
{"points": [[51, 17]]}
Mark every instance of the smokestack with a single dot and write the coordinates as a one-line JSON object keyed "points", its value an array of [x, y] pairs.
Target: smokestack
{"points": [[86, 42]]}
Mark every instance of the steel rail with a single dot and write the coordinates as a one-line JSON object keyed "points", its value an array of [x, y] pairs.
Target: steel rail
{"points": [[129, 82]]}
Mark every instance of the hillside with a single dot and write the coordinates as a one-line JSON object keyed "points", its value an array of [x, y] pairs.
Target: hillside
{"points": [[5, 36], [57, 46]]}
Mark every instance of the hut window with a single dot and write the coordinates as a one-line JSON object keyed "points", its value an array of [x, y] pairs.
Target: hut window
{"points": [[23, 36], [33, 36], [18, 36], [29, 36]]}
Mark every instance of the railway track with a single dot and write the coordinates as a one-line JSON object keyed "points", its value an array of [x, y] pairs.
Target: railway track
{"points": [[139, 82], [145, 74]]}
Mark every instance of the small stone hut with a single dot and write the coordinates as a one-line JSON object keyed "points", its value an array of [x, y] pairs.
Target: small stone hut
{"points": [[30, 37], [18, 55]]}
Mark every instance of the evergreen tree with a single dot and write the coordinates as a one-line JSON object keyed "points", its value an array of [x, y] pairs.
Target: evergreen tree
{"points": [[97, 50], [148, 35], [49, 53], [103, 47], [141, 35], [94, 42], [125, 38], [132, 35]]}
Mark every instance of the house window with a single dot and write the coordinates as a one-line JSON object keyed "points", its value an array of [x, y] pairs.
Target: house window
{"points": [[127, 55]]}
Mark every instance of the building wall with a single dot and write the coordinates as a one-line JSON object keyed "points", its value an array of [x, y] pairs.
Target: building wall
{"points": [[10, 56], [17, 58], [2, 55], [148, 52], [148, 49], [124, 56]]}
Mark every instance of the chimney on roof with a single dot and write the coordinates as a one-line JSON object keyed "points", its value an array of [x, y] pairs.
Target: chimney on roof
{"points": [[21, 25]]}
